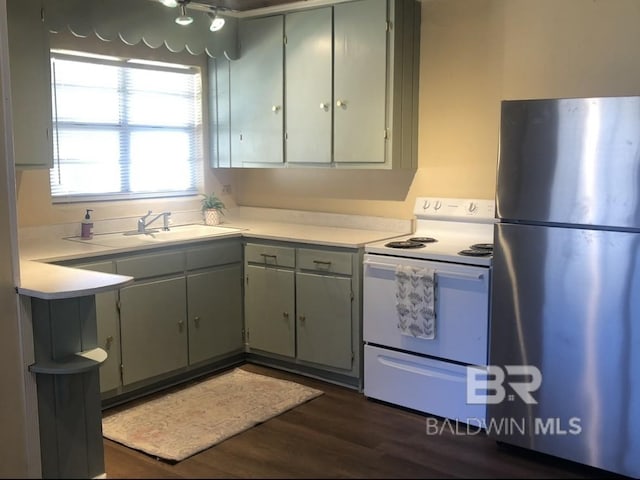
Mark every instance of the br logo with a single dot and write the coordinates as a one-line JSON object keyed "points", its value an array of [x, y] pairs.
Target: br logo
{"points": [[487, 386]]}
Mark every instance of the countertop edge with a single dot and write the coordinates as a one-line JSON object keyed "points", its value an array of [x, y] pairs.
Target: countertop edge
{"points": [[38, 279]]}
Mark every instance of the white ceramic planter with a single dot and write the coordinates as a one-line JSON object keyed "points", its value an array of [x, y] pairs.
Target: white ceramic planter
{"points": [[212, 217]]}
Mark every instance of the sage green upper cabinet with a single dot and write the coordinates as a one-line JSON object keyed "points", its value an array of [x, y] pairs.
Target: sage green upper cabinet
{"points": [[256, 79], [360, 50], [308, 72], [30, 68], [349, 74]]}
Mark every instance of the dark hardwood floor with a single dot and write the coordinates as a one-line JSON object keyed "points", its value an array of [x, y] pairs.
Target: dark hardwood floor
{"points": [[342, 434]]}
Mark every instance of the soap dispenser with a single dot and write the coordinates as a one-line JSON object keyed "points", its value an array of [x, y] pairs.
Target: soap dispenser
{"points": [[86, 231]]}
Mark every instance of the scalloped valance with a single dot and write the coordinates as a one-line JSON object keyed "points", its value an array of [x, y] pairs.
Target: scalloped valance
{"points": [[133, 21]]}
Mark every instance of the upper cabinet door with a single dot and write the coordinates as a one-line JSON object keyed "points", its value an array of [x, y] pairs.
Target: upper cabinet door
{"points": [[257, 125], [30, 84], [360, 79], [308, 70]]}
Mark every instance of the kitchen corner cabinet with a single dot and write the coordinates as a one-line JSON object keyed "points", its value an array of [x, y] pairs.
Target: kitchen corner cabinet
{"points": [[302, 307], [256, 80], [30, 71]]}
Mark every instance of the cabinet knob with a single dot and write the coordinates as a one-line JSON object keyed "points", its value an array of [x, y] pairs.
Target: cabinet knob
{"points": [[324, 106], [181, 325], [302, 318], [341, 103], [285, 314], [108, 342], [275, 108], [196, 320]]}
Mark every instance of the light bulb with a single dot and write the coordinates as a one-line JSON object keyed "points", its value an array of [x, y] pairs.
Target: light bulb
{"points": [[169, 3], [217, 23], [184, 19]]}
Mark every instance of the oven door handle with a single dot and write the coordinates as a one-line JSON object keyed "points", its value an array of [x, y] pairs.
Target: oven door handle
{"points": [[392, 267]]}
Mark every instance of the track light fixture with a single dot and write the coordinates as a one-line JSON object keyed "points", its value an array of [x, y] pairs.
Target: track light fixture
{"points": [[217, 22], [183, 18]]}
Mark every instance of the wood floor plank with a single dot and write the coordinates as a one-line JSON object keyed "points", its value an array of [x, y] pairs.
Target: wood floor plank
{"points": [[342, 434]]}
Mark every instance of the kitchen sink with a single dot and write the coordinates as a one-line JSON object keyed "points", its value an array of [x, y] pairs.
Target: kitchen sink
{"points": [[174, 234]]}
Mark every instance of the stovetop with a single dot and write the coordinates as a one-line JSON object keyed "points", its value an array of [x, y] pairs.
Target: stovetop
{"points": [[448, 230]]}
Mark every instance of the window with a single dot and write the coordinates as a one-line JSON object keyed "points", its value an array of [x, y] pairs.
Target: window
{"points": [[124, 128]]}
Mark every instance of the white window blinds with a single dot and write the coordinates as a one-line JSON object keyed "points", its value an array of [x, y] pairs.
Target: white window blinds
{"points": [[124, 129]]}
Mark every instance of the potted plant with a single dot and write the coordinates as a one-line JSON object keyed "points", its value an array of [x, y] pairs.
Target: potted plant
{"points": [[212, 209]]}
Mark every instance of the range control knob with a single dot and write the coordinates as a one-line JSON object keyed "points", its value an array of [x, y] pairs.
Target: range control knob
{"points": [[437, 205], [472, 207], [426, 204]]}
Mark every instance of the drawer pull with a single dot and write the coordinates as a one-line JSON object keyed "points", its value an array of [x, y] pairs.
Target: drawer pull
{"points": [[267, 255], [324, 263]]}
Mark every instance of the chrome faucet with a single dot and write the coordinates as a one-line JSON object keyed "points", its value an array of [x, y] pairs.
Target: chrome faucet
{"points": [[143, 224]]}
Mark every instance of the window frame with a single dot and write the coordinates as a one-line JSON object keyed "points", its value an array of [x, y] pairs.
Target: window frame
{"points": [[137, 62]]}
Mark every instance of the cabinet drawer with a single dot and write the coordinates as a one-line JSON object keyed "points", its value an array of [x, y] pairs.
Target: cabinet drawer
{"points": [[323, 261], [151, 265], [219, 253], [270, 255]]}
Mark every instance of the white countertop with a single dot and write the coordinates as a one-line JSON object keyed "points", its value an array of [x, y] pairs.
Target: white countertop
{"points": [[43, 280]]}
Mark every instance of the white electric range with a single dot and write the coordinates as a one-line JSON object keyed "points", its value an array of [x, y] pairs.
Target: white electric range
{"points": [[426, 309]]}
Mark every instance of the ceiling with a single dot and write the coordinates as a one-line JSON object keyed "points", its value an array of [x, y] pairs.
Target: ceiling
{"points": [[245, 5]]}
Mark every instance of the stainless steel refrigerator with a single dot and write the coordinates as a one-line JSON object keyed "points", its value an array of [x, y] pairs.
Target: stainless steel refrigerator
{"points": [[566, 281]]}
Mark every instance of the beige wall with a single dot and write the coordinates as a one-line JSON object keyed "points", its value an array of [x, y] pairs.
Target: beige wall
{"points": [[473, 54]]}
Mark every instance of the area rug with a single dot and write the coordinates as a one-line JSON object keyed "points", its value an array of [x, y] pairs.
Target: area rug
{"points": [[178, 425]]}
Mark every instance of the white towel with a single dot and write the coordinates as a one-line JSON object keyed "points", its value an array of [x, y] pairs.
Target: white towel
{"points": [[415, 302]]}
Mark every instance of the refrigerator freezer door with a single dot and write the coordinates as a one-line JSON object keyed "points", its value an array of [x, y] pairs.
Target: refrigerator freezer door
{"points": [[571, 161], [567, 301]]}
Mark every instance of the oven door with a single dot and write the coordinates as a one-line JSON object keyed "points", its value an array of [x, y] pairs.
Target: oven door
{"points": [[461, 304]]}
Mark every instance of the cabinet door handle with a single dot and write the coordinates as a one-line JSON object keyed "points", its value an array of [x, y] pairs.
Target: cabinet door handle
{"points": [[196, 321]]}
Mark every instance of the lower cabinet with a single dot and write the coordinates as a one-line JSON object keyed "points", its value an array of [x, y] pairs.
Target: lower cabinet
{"points": [[183, 312], [323, 328], [194, 308], [214, 306], [108, 328], [153, 328], [270, 309], [301, 307]]}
